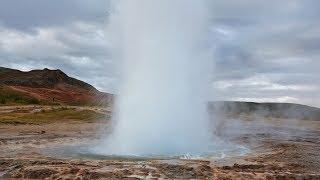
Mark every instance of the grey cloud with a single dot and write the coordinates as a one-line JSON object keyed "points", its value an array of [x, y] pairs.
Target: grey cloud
{"points": [[26, 15], [275, 39], [263, 50]]}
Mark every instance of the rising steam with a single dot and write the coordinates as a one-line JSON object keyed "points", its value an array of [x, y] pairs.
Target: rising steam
{"points": [[161, 108]]}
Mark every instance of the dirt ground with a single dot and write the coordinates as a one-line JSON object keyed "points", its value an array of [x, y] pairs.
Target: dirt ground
{"points": [[278, 149]]}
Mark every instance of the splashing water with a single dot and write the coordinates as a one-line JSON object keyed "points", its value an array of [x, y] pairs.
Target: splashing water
{"points": [[161, 108]]}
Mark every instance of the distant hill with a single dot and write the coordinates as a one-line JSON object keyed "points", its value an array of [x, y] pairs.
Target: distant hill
{"points": [[55, 87], [47, 87], [275, 110]]}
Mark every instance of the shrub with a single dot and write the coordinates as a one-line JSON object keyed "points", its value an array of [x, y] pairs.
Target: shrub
{"points": [[2, 101], [34, 101]]}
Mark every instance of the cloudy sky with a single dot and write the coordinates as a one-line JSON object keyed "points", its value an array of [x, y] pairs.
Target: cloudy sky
{"points": [[263, 50]]}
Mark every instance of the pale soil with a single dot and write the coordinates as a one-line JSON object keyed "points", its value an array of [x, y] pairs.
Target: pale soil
{"points": [[279, 149]]}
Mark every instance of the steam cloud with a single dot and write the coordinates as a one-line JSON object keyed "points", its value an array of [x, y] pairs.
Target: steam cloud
{"points": [[161, 108]]}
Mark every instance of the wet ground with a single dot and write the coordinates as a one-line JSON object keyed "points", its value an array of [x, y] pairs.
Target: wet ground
{"points": [[278, 149]]}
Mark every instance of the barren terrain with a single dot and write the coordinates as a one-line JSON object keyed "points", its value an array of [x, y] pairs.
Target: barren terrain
{"points": [[277, 148]]}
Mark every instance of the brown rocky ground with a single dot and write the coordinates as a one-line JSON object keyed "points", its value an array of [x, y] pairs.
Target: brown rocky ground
{"points": [[279, 149]]}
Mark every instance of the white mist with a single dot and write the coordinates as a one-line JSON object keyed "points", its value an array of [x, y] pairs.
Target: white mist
{"points": [[161, 108]]}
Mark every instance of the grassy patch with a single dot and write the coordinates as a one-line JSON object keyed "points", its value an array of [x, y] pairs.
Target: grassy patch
{"points": [[50, 116], [8, 96]]}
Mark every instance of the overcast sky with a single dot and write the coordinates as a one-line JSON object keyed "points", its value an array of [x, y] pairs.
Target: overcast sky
{"points": [[263, 50]]}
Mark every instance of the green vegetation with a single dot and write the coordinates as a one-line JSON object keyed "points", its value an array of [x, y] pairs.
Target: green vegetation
{"points": [[8, 96], [3, 101], [60, 114]]}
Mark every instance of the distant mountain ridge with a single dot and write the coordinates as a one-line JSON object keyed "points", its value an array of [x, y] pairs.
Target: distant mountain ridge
{"points": [[274, 110], [48, 86]]}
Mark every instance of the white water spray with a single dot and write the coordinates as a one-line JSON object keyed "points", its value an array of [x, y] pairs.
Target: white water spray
{"points": [[161, 108]]}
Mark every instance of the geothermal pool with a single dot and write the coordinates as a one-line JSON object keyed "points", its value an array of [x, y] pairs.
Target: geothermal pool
{"points": [[82, 151]]}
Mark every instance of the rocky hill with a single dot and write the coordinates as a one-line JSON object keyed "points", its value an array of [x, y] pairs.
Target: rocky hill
{"points": [[47, 87]]}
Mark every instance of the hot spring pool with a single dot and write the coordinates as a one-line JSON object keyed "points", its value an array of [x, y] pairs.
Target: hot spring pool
{"points": [[87, 151]]}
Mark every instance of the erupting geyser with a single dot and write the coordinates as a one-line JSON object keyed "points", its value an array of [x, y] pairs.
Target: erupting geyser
{"points": [[161, 108]]}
